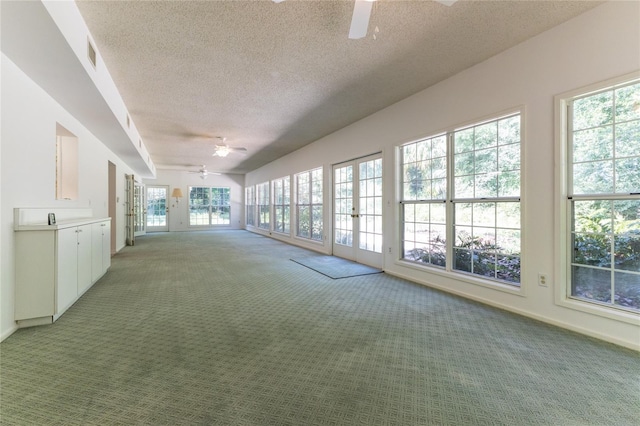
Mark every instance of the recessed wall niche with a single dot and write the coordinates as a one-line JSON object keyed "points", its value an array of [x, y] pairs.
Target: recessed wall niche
{"points": [[66, 164]]}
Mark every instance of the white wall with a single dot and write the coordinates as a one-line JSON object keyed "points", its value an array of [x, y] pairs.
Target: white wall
{"points": [[28, 169], [178, 213], [598, 45]]}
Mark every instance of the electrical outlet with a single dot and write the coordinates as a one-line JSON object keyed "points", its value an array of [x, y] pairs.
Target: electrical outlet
{"points": [[542, 280], [389, 249]]}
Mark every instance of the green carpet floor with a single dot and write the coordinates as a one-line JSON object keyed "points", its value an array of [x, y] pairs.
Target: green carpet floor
{"points": [[222, 328]]}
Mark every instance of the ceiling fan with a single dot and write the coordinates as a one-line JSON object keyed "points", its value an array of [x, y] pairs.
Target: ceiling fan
{"points": [[362, 13], [203, 172], [222, 149]]}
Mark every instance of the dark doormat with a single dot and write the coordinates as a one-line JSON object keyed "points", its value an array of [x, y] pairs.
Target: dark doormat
{"points": [[336, 267]]}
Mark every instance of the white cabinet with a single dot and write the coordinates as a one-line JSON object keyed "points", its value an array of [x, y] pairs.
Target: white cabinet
{"points": [[100, 249], [84, 259], [66, 282], [56, 264]]}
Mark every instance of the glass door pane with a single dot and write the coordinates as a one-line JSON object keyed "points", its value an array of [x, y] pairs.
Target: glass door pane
{"points": [[343, 206], [139, 210], [357, 210], [157, 208], [370, 203]]}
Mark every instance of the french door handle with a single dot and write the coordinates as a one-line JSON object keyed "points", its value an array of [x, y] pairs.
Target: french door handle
{"points": [[355, 215]]}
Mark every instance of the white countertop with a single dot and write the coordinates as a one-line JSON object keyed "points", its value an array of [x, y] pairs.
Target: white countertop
{"points": [[61, 224]]}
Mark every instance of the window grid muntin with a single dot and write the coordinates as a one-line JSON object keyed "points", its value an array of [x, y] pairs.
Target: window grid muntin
{"points": [[198, 206], [263, 205], [485, 244], [220, 206], [209, 206], [431, 248], [481, 253], [614, 124], [309, 204], [250, 197], [419, 170], [434, 257], [502, 141], [156, 206], [370, 205], [343, 209], [576, 290], [281, 204]]}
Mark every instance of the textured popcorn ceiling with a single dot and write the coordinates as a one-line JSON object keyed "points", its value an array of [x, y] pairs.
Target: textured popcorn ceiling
{"points": [[274, 77]]}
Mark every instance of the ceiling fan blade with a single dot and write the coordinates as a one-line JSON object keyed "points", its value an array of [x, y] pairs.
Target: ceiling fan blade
{"points": [[447, 2], [360, 19], [240, 149]]}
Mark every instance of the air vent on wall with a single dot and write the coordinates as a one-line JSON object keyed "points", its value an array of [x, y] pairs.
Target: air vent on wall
{"points": [[91, 53]]}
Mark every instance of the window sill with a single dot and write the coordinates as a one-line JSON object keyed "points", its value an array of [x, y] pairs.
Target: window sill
{"points": [[600, 310], [465, 278], [309, 240]]}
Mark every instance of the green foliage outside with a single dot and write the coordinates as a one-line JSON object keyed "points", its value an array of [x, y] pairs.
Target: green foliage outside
{"points": [[474, 255], [605, 142], [607, 237]]}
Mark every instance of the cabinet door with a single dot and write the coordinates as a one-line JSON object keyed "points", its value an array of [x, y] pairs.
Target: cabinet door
{"points": [[96, 252], [35, 274], [106, 245], [84, 258], [67, 274]]}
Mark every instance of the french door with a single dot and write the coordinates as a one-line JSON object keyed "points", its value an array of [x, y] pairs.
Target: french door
{"points": [[157, 209], [357, 210], [139, 210]]}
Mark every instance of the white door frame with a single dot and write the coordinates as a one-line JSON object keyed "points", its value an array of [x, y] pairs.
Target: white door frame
{"points": [[357, 210]]}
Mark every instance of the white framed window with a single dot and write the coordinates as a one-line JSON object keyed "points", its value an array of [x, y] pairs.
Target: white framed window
{"points": [[309, 204], [250, 205], [263, 204], [209, 206], [486, 199], [600, 195], [282, 204], [461, 200], [424, 189]]}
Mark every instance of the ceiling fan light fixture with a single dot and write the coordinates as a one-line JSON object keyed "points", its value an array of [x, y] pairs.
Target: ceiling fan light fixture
{"points": [[222, 151]]}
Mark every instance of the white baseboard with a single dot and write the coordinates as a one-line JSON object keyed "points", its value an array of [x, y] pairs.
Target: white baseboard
{"points": [[8, 333], [630, 345]]}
